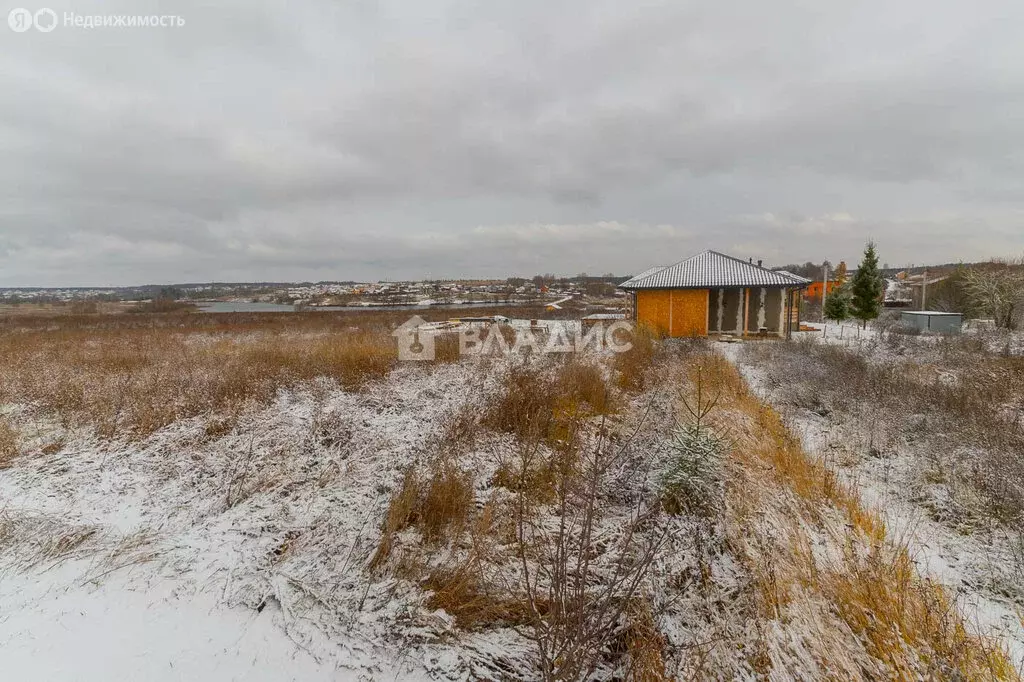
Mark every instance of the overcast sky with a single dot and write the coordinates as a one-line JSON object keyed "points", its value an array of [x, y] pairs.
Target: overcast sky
{"points": [[358, 139]]}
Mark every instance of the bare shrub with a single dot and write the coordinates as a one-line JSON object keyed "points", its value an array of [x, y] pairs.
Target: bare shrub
{"points": [[578, 578], [998, 290]]}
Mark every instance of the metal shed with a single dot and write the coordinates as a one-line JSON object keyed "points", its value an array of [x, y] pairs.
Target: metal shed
{"points": [[933, 321]]}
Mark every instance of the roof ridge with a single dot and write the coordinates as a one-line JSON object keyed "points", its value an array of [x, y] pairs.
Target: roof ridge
{"points": [[739, 260], [687, 260], [709, 265]]}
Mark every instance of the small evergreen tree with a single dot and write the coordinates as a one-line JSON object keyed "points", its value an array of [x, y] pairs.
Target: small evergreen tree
{"points": [[837, 305], [866, 301]]}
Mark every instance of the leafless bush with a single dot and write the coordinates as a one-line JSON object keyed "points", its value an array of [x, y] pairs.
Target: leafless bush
{"points": [[579, 575], [998, 290]]}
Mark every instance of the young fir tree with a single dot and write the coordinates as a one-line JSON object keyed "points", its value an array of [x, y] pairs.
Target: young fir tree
{"points": [[866, 301], [837, 305]]}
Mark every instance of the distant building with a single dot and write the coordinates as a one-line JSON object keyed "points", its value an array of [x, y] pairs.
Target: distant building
{"points": [[712, 293], [897, 293], [815, 288], [933, 321], [590, 321]]}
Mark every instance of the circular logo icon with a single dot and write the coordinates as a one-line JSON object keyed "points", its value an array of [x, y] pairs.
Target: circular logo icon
{"points": [[20, 20], [45, 20]]}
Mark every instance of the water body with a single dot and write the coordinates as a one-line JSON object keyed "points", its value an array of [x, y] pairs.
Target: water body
{"points": [[250, 307]]}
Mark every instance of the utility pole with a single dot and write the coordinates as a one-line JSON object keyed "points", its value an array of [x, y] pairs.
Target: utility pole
{"points": [[924, 290], [824, 289]]}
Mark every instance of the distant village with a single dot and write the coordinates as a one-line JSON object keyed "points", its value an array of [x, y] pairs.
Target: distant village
{"points": [[912, 287], [542, 288]]}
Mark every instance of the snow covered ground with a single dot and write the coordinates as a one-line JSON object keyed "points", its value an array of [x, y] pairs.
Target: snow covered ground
{"points": [[979, 567], [117, 550], [241, 555], [213, 550]]}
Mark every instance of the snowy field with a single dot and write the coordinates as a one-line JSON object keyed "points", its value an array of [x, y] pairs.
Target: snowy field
{"points": [[919, 466], [245, 503]]}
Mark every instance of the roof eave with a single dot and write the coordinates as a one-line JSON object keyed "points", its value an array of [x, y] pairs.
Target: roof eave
{"points": [[793, 285]]}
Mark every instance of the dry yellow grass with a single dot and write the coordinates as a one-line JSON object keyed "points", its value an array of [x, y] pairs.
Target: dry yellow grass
{"points": [[645, 645], [533, 404], [133, 382], [633, 366], [439, 506], [778, 496], [461, 587], [399, 515], [447, 502], [8, 444], [770, 442]]}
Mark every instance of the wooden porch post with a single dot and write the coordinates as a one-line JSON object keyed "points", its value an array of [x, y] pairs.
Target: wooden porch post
{"points": [[783, 309], [746, 309]]}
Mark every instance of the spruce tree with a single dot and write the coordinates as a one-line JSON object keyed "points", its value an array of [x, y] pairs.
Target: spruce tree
{"points": [[866, 302], [837, 305]]}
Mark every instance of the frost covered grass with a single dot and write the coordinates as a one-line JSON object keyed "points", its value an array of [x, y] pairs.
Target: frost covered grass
{"points": [[817, 553], [134, 382], [634, 366], [954, 407], [9, 447], [473, 518]]}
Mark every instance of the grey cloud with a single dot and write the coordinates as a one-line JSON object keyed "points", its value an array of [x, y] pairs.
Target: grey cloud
{"points": [[372, 139]]}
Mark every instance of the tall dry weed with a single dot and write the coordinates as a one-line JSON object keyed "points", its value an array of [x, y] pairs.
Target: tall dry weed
{"points": [[9, 448], [133, 382], [908, 624]]}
